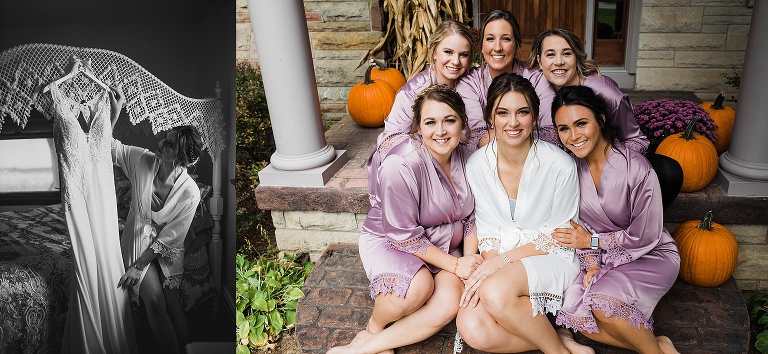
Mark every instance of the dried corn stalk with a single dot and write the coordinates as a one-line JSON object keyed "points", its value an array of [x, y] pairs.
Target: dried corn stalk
{"points": [[409, 25]]}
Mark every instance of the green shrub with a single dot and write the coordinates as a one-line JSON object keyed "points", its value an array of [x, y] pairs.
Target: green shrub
{"points": [[268, 292], [759, 313]]}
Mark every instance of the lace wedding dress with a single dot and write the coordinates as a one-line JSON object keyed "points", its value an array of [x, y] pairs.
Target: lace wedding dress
{"points": [[99, 316]]}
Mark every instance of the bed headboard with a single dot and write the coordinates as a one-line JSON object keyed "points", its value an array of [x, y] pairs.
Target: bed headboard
{"points": [[27, 69]]}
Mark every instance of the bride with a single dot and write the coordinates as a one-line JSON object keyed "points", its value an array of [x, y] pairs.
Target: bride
{"points": [[163, 203]]}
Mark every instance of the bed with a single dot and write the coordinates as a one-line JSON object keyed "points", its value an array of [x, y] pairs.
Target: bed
{"points": [[35, 271]]}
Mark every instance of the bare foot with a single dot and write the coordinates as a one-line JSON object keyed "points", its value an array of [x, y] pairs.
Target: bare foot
{"points": [[574, 347], [357, 346], [666, 345]]}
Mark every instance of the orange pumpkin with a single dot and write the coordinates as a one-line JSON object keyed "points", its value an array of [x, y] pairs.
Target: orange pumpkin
{"points": [[383, 72], [723, 117], [369, 101], [708, 252], [695, 154]]}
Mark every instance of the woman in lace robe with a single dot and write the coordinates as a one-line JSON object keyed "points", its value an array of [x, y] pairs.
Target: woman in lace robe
{"points": [[163, 203], [410, 241], [524, 188], [559, 56], [628, 259]]}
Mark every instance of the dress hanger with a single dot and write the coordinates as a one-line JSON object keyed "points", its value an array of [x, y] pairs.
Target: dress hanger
{"points": [[79, 66]]}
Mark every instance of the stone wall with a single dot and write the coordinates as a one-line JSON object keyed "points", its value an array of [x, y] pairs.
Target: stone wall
{"points": [[687, 45]]}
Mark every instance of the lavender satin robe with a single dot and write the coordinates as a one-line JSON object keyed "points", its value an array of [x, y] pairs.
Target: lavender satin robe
{"points": [[473, 88], [414, 207], [638, 258]]}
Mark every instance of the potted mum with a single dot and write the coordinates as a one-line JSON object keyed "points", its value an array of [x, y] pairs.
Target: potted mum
{"points": [[661, 118]]}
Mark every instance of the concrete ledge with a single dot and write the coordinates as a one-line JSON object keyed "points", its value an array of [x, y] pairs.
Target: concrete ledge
{"points": [[726, 209]]}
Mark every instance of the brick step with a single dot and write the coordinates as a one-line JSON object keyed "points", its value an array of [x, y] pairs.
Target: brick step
{"points": [[337, 306]]}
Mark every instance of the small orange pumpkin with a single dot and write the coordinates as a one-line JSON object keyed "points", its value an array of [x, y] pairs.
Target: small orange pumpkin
{"points": [[695, 154], [369, 101], [383, 72], [708, 252], [723, 117]]}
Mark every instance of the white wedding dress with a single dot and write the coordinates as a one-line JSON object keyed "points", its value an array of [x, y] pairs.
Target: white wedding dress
{"points": [[99, 316]]}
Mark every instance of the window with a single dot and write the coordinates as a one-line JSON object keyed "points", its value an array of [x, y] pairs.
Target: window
{"points": [[28, 165]]}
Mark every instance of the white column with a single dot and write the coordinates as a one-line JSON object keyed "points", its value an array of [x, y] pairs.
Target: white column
{"points": [[282, 41], [744, 167]]}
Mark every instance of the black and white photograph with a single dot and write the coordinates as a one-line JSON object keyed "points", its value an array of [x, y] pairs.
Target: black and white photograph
{"points": [[117, 211]]}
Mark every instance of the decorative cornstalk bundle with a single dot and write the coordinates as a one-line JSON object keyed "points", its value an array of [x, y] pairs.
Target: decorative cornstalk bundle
{"points": [[409, 25]]}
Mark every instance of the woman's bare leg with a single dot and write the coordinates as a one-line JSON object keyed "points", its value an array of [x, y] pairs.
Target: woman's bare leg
{"points": [[439, 310], [504, 295], [176, 314], [151, 292], [619, 333]]}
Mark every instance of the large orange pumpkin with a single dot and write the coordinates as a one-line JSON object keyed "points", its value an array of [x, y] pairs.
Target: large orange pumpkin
{"points": [[723, 117], [695, 154], [708, 252], [383, 72], [369, 101]]}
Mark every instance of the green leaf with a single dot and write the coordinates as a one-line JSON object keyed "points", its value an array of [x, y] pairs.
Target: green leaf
{"points": [[260, 340], [273, 283], [762, 335], [291, 304], [293, 294], [275, 322], [259, 304], [239, 317], [271, 303], [260, 320], [763, 320], [244, 329], [242, 349], [762, 344], [290, 318]]}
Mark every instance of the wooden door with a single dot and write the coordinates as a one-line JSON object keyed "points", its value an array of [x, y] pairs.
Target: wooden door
{"points": [[610, 34], [536, 16]]}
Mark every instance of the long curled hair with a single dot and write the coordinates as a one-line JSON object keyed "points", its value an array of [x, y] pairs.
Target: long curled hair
{"points": [[190, 145], [584, 66], [584, 96], [444, 94]]}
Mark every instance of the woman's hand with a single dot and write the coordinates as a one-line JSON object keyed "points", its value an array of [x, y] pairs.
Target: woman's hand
{"points": [[577, 237], [591, 272], [116, 98], [489, 266], [467, 265], [130, 278]]}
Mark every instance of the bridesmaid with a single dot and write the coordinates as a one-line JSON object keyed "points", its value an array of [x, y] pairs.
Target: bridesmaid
{"points": [[410, 244], [628, 259]]}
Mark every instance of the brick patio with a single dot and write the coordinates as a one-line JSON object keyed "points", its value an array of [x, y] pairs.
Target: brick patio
{"points": [[337, 306]]}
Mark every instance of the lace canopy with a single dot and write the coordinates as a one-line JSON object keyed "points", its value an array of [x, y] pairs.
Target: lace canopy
{"points": [[26, 70]]}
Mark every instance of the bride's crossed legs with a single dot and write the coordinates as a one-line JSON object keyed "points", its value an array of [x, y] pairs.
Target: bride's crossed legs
{"points": [[502, 322], [430, 303]]}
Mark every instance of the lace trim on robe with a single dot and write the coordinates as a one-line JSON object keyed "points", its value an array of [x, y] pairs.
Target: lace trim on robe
{"points": [[549, 134], [615, 252], [386, 283], [418, 244], [589, 258], [633, 144], [547, 244], [173, 281], [470, 228], [614, 307], [577, 323], [174, 254], [390, 142], [476, 134], [546, 303], [489, 243]]}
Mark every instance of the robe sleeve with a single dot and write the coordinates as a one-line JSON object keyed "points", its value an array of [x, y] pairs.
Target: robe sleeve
{"points": [[170, 240], [126, 157], [629, 130], [400, 117], [646, 226], [470, 89], [399, 194], [487, 220], [564, 209]]}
